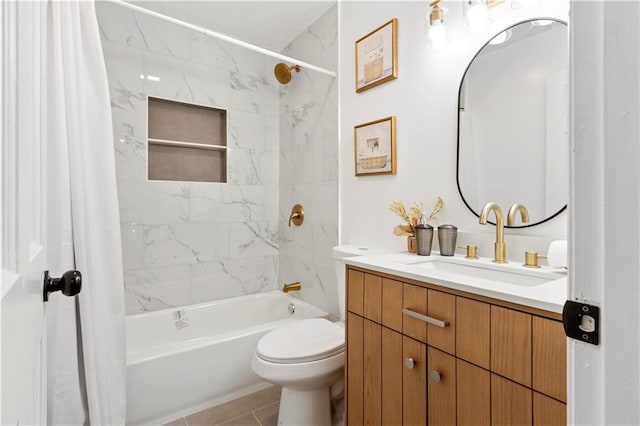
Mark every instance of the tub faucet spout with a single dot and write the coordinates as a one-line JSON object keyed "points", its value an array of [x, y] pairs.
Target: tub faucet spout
{"points": [[500, 255], [292, 287], [181, 320]]}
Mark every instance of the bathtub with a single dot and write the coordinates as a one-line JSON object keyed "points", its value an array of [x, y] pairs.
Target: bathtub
{"points": [[182, 360]]}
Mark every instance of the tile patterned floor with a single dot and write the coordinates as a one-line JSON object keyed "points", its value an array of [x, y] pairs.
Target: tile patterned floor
{"points": [[256, 409]]}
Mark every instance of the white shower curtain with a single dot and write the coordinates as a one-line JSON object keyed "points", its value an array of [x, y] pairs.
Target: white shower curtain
{"points": [[87, 375]]}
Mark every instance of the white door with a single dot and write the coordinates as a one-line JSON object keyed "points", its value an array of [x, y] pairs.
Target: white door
{"points": [[23, 217], [604, 380]]}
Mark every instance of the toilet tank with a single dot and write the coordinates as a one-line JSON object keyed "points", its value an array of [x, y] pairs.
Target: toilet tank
{"points": [[339, 254]]}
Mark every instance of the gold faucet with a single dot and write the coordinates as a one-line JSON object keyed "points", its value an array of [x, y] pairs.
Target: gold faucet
{"points": [[500, 255], [511, 216], [292, 287]]}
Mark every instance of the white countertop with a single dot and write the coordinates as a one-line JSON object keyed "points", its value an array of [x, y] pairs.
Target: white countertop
{"points": [[549, 296]]}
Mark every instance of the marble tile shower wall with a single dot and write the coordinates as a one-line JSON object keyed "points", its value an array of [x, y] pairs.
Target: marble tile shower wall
{"points": [[187, 243], [309, 165]]}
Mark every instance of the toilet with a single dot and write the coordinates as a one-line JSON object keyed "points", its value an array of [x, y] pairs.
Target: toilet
{"points": [[306, 358]]}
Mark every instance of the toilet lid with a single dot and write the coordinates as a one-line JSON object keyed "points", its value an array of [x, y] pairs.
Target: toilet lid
{"points": [[302, 341]]}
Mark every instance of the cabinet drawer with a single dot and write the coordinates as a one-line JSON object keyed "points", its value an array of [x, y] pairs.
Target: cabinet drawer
{"points": [[373, 297], [355, 292], [549, 358], [511, 344], [392, 304], [442, 306], [473, 324], [414, 298]]}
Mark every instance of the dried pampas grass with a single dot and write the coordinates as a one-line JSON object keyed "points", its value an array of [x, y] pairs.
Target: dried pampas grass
{"points": [[412, 217]]}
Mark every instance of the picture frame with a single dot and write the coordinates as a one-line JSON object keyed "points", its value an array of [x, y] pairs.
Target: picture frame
{"points": [[377, 56], [375, 147]]}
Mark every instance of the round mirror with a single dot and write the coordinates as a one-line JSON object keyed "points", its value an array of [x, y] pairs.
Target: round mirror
{"points": [[513, 122]]}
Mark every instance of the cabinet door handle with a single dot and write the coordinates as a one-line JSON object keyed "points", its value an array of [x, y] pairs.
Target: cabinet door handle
{"points": [[410, 363], [435, 376], [430, 320]]}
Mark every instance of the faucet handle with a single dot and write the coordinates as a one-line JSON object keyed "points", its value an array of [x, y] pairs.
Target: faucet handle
{"points": [[472, 251], [531, 259]]}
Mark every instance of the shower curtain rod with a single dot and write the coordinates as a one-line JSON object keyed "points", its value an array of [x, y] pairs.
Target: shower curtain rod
{"points": [[223, 37]]}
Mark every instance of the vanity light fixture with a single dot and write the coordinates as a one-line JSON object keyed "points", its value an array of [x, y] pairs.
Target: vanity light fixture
{"points": [[477, 14], [437, 29]]}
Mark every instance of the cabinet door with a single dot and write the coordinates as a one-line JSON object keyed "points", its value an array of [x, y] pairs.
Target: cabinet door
{"points": [[472, 331], [414, 298], [441, 391], [442, 306], [392, 366], [548, 411], [355, 370], [511, 403], [414, 383], [473, 395], [372, 337], [549, 358], [511, 344]]}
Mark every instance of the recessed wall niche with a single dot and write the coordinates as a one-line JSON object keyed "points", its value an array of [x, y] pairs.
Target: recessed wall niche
{"points": [[186, 142]]}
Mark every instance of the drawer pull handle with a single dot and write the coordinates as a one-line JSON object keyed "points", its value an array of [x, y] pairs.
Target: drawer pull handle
{"points": [[435, 376], [432, 321], [410, 363]]}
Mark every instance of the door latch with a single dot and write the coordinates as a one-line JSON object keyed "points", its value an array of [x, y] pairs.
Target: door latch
{"points": [[581, 321]]}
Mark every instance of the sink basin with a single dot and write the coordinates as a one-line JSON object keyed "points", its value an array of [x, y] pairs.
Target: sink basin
{"points": [[471, 269]]}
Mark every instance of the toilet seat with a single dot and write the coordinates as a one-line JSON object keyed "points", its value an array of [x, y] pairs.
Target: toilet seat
{"points": [[303, 341]]}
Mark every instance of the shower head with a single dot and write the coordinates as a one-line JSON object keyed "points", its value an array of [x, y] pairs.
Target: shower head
{"points": [[283, 72]]}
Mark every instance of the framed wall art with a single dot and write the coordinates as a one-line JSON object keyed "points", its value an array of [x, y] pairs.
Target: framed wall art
{"points": [[377, 56], [375, 147]]}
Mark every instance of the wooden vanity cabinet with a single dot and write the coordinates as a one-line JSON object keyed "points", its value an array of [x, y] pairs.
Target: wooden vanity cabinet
{"points": [[511, 344], [414, 382], [473, 394], [481, 362]]}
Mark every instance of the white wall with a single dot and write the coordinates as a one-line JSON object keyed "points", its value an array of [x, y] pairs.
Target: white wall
{"points": [[424, 98]]}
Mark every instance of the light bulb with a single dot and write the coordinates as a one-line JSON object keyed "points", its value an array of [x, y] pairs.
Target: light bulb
{"points": [[436, 27], [438, 35], [478, 15]]}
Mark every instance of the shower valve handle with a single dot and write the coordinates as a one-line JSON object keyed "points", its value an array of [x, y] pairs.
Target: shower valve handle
{"points": [[69, 284], [297, 215]]}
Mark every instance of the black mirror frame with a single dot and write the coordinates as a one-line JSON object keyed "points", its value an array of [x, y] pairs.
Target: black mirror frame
{"points": [[528, 225]]}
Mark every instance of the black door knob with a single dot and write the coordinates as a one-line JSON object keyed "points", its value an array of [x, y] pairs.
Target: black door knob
{"points": [[70, 284]]}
